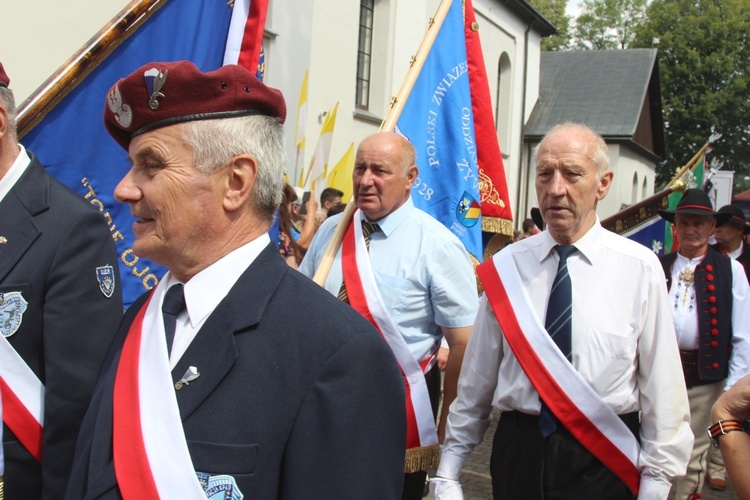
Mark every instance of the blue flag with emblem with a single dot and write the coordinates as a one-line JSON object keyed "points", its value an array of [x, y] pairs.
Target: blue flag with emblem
{"points": [[72, 143], [438, 119]]}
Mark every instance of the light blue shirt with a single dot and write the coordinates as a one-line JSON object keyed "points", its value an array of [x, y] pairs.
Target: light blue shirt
{"points": [[422, 271]]}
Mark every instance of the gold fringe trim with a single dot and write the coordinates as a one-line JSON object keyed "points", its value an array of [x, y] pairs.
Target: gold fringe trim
{"points": [[423, 458], [2, 494], [497, 225]]}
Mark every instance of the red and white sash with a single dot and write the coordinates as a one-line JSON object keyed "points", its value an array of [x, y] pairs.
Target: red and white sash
{"points": [[364, 297], [23, 399], [151, 456], [588, 418]]}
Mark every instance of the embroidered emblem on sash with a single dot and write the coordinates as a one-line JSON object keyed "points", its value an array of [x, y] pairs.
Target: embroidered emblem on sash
{"points": [[12, 307], [106, 277], [221, 487]]}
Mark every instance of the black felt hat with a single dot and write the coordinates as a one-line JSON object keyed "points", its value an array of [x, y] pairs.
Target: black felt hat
{"points": [[695, 202], [738, 216]]}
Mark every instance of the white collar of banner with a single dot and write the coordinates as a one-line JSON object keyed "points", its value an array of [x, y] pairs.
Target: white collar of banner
{"points": [[151, 456], [22, 395], [364, 296], [588, 418]]}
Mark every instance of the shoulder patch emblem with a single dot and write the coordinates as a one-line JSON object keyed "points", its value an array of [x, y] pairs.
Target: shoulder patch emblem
{"points": [[106, 277]]}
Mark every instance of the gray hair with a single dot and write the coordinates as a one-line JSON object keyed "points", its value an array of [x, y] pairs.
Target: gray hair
{"points": [[9, 103], [215, 142], [600, 157]]}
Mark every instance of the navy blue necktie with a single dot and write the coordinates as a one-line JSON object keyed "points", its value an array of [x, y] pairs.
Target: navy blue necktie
{"points": [[173, 305], [558, 323]]}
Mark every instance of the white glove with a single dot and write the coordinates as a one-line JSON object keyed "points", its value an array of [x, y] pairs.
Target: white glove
{"points": [[446, 489]]}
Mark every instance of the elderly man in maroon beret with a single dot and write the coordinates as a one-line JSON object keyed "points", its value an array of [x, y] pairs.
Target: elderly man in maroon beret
{"points": [[708, 293], [217, 383]]}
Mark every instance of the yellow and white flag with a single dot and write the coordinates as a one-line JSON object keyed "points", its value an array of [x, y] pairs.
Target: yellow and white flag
{"points": [[340, 176], [319, 164], [299, 132]]}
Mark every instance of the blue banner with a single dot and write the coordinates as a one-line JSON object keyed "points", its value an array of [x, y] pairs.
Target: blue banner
{"points": [[438, 119], [75, 147], [650, 234]]}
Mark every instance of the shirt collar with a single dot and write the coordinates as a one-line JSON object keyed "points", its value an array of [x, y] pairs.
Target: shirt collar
{"points": [[588, 246], [390, 222], [15, 172], [209, 287]]}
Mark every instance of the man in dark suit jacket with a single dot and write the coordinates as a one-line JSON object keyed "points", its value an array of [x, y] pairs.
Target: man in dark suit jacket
{"points": [[60, 304], [255, 382]]}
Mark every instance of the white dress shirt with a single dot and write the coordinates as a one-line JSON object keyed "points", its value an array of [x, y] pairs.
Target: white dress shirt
{"points": [[205, 291], [685, 314], [623, 347], [422, 270], [15, 172]]}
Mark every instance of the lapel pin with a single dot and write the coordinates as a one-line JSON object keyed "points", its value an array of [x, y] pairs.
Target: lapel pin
{"points": [[191, 374], [3, 240]]}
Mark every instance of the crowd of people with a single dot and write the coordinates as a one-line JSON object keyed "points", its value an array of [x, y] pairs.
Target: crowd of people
{"points": [[614, 370]]}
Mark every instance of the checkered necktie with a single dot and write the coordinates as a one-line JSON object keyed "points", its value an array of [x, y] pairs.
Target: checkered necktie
{"points": [[367, 229], [173, 305], [558, 323]]}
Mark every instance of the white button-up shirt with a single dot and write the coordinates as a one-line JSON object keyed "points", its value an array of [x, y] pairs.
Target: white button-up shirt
{"points": [[623, 343]]}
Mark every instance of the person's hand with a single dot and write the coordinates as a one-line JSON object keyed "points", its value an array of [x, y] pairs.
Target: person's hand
{"points": [[446, 489], [442, 358], [734, 404]]}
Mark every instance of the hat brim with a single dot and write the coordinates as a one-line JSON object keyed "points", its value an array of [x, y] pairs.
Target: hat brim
{"points": [[721, 217]]}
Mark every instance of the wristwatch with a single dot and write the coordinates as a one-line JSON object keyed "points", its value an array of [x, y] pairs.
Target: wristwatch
{"points": [[724, 427]]}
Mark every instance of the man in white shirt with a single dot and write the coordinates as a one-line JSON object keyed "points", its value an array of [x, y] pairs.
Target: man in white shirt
{"points": [[422, 282], [569, 426], [218, 382], [708, 297]]}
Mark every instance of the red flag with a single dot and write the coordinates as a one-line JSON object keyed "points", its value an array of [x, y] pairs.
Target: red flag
{"points": [[496, 213]]}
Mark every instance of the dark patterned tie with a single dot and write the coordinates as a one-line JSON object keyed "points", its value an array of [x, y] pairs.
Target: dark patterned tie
{"points": [[367, 229], [173, 305], [558, 323]]}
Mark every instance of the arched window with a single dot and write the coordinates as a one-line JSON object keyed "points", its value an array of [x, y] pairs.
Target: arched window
{"points": [[364, 53], [644, 190], [634, 191], [502, 102]]}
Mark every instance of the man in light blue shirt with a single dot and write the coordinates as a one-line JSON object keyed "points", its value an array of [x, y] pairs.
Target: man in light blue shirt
{"points": [[422, 271]]}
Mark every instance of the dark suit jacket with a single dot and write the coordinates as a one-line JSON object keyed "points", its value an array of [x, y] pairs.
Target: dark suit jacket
{"points": [[54, 241], [298, 396]]}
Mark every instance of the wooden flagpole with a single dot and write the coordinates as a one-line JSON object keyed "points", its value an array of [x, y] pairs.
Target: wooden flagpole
{"points": [[83, 62], [388, 124]]}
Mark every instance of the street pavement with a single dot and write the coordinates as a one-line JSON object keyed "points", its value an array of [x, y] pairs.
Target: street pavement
{"points": [[477, 485]]}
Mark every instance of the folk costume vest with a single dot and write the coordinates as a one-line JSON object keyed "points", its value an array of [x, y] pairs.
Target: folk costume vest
{"points": [[713, 290], [423, 450]]}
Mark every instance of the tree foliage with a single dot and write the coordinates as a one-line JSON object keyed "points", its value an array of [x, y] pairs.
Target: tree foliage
{"points": [[554, 12], [608, 24], [703, 59]]}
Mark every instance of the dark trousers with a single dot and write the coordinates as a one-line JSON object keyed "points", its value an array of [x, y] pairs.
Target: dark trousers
{"points": [[526, 465], [414, 482]]}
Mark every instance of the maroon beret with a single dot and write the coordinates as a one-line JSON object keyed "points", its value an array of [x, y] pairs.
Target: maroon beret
{"points": [[4, 80], [160, 94]]}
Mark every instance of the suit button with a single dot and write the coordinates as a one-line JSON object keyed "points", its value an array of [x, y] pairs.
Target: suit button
{"points": [[712, 300], [713, 311], [710, 277], [715, 332], [711, 288], [715, 366], [714, 322], [709, 268], [714, 343]]}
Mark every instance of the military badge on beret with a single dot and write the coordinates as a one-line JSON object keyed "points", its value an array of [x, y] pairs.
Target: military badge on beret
{"points": [[155, 80]]}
